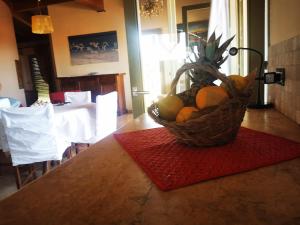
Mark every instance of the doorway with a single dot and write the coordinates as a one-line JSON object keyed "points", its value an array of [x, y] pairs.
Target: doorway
{"points": [[162, 44], [33, 45]]}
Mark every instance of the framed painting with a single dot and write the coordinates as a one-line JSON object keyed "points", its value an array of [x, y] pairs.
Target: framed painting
{"points": [[94, 48]]}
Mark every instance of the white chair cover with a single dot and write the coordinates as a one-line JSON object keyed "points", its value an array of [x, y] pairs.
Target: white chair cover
{"points": [[106, 114], [3, 139], [76, 122], [31, 136], [78, 97], [4, 103]]}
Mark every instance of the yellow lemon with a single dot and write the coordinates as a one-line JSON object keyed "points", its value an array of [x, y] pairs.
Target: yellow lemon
{"points": [[185, 114], [210, 96], [169, 106], [239, 82]]}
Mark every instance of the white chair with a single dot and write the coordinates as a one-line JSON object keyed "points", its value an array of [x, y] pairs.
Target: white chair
{"points": [[3, 139], [4, 103], [31, 136], [78, 97], [106, 114]]}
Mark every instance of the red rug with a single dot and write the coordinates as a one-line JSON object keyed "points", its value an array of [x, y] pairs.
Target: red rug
{"points": [[172, 165]]}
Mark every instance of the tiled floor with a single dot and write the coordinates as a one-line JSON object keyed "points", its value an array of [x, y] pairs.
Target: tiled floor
{"points": [[7, 178]]}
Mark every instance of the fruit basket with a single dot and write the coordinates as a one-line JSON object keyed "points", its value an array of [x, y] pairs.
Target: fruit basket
{"points": [[213, 125]]}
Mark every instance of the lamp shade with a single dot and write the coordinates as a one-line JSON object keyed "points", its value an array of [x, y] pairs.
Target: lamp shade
{"points": [[41, 24]]}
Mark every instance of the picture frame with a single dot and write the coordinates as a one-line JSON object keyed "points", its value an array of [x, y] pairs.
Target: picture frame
{"points": [[94, 48]]}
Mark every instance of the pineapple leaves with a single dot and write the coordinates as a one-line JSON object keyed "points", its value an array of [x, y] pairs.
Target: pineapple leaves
{"points": [[218, 57], [205, 61], [212, 38], [221, 61], [224, 46], [210, 51], [226, 43], [218, 40], [211, 47], [201, 51]]}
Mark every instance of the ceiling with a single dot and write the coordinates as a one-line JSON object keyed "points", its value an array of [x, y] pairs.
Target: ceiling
{"points": [[22, 10]]}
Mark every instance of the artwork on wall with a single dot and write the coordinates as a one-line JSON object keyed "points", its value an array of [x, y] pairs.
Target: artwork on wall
{"points": [[94, 48]]}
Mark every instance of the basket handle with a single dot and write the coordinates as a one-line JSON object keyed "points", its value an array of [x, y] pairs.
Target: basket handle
{"points": [[207, 68]]}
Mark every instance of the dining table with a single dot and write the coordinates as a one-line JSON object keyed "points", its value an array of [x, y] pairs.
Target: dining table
{"points": [[104, 185]]}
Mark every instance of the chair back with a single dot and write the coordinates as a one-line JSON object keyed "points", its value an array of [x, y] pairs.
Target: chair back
{"points": [[58, 96], [106, 114], [4, 103], [30, 133], [78, 97], [3, 139]]}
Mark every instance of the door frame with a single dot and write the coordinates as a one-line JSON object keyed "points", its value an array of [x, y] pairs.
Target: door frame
{"points": [[134, 55]]}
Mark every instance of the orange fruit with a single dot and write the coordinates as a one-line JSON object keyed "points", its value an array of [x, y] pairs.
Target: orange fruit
{"points": [[210, 96], [169, 106], [185, 114]]}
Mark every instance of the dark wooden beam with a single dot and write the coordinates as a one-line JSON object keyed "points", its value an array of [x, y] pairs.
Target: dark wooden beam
{"points": [[28, 5], [18, 16], [97, 5], [21, 9], [22, 19]]}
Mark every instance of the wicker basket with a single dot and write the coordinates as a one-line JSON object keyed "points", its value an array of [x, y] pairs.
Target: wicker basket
{"points": [[212, 126]]}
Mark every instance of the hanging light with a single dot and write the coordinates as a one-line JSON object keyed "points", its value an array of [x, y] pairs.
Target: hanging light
{"points": [[41, 24], [150, 8]]}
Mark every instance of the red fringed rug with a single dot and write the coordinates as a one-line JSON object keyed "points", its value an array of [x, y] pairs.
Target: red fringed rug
{"points": [[172, 165]]}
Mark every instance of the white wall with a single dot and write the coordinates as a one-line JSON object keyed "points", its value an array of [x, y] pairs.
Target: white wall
{"points": [[284, 20], [8, 55], [72, 19], [284, 52]]}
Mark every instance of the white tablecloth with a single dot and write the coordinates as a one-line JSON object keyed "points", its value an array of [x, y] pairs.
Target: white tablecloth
{"points": [[76, 122]]}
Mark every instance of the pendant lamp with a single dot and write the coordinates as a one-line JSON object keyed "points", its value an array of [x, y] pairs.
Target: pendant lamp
{"points": [[41, 24]]}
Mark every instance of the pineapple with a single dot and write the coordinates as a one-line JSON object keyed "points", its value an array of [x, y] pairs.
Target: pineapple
{"points": [[208, 59]]}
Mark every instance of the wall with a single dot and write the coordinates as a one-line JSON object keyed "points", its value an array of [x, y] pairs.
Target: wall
{"points": [[284, 20], [73, 19], [8, 55], [285, 52]]}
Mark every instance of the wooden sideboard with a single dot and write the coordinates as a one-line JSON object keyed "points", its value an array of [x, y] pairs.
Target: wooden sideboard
{"points": [[97, 84]]}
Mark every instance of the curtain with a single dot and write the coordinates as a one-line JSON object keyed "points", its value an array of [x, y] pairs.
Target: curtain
{"points": [[219, 22]]}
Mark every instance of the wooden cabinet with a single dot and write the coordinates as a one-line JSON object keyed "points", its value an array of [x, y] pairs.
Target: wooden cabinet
{"points": [[97, 84]]}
